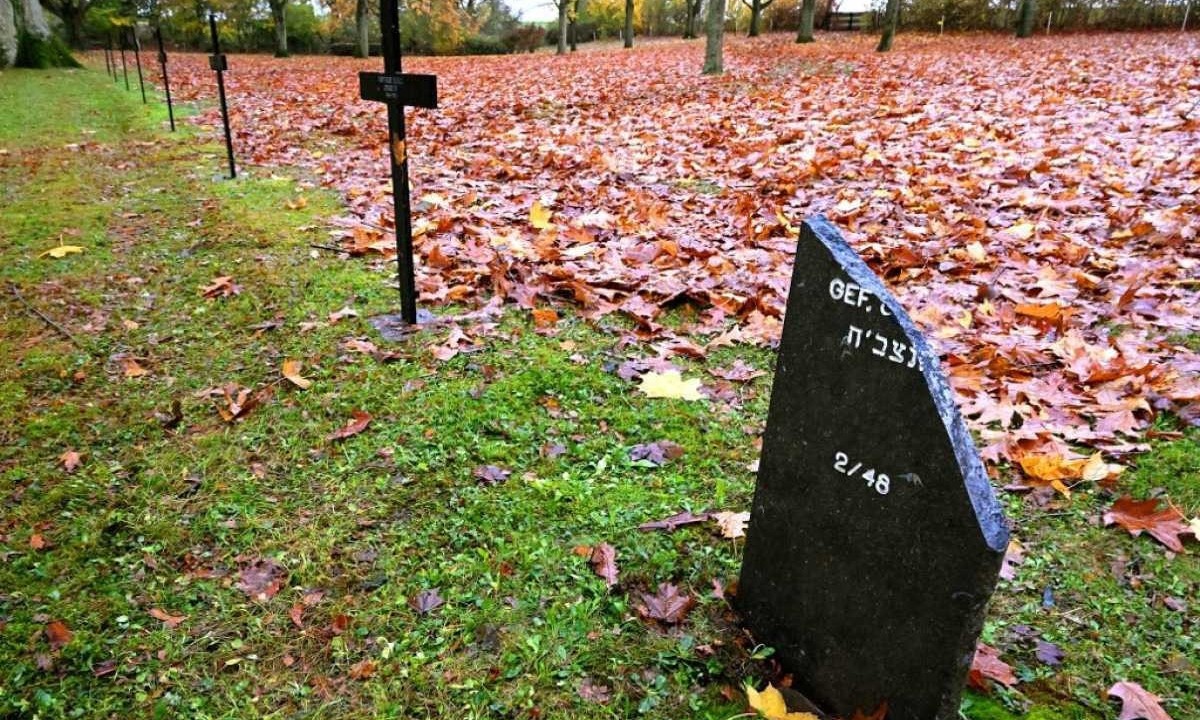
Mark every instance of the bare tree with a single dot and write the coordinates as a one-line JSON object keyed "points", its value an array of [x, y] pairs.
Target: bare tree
{"points": [[563, 10], [808, 8], [714, 60]]}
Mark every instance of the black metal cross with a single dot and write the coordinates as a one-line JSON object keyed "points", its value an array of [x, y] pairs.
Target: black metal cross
{"points": [[219, 64], [137, 56], [398, 90], [162, 62]]}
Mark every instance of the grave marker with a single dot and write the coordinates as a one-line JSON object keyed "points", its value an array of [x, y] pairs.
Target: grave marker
{"points": [[124, 67], [875, 539], [137, 56], [398, 90], [219, 64], [162, 63]]}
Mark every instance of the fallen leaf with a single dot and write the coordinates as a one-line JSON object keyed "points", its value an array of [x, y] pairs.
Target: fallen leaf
{"points": [[670, 384], [987, 665], [1137, 702], [656, 453], [356, 424], [770, 704], [61, 251], [37, 542], [426, 601], [539, 216], [262, 579], [171, 621], [57, 634], [131, 368], [222, 286], [603, 559], [1049, 653], [1164, 525], [544, 318], [593, 692], [70, 460], [679, 519], [291, 371], [732, 524], [667, 606], [362, 670], [490, 474], [296, 614]]}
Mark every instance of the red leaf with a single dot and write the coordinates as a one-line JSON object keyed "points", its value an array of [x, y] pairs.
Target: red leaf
{"points": [[354, 426], [987, 665], [1135, 516], [57, 634]]}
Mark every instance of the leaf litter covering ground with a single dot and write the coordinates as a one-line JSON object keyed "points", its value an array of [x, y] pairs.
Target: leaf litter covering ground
{"points": [[1033, 205]]}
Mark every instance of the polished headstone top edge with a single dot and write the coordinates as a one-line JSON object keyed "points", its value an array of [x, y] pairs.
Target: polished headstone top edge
{"points": [[979, 489]]}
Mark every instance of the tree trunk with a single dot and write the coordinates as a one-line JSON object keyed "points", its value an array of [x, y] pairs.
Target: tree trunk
{"points": [[72, 17], [687, 23], [808, 8], [889, 26], [573, 24], [8, 34], [1026, 14], [562, 27], [756, 8], [714, 38], [361, 27], [279, 14], [628, 23]]}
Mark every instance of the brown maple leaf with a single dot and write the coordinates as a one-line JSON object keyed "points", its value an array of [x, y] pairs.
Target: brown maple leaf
{"points": [[57, 634], [1135, 516], [668, 606], [171, 621], [222, 286], [426, 601], [603, 559]]}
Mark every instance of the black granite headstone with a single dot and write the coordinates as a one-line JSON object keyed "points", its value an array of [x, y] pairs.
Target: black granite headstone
{"points": [[875, 540]]}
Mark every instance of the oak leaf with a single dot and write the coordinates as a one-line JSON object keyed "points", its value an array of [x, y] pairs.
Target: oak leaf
{"points": [[732, 524], [1137, 702]]}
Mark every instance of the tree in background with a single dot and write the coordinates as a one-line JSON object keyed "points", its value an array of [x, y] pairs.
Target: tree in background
{"points": [[26, 40], [563, 8], [362, 35], [756, 11], [890, 16], [714, 61], [692, 11], [1025, 17], [808, 8], [628, 33], [279, 16], [71, 12]]}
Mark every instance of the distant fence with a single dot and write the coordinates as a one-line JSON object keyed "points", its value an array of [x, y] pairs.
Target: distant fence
{"points": [[845, 22]]}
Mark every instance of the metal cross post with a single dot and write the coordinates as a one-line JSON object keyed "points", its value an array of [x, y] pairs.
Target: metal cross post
{"points": [[107, 62], [218, 63], [398, 90], [162, 62], [137, 56], [124, 67], [113, 55]]}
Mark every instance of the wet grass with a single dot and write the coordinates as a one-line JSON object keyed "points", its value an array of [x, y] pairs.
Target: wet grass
{"points": [[166, 509]]}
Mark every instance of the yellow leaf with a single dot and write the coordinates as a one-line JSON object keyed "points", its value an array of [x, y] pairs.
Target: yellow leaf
{"points": [[298, 204], [539, 217], [132, 368], [1022, 231], [670, 384], [1095, 469], [61, 251], [291, 371], [976, 252], [770, 704], [1052, 468]]}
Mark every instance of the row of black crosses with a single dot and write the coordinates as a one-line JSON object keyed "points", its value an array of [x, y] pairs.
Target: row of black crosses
{"points": [[110, 64], [397, 90], [393, 87]]}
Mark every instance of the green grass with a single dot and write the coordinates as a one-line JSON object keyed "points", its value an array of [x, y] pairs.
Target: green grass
{"points": [[161, 517]]}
